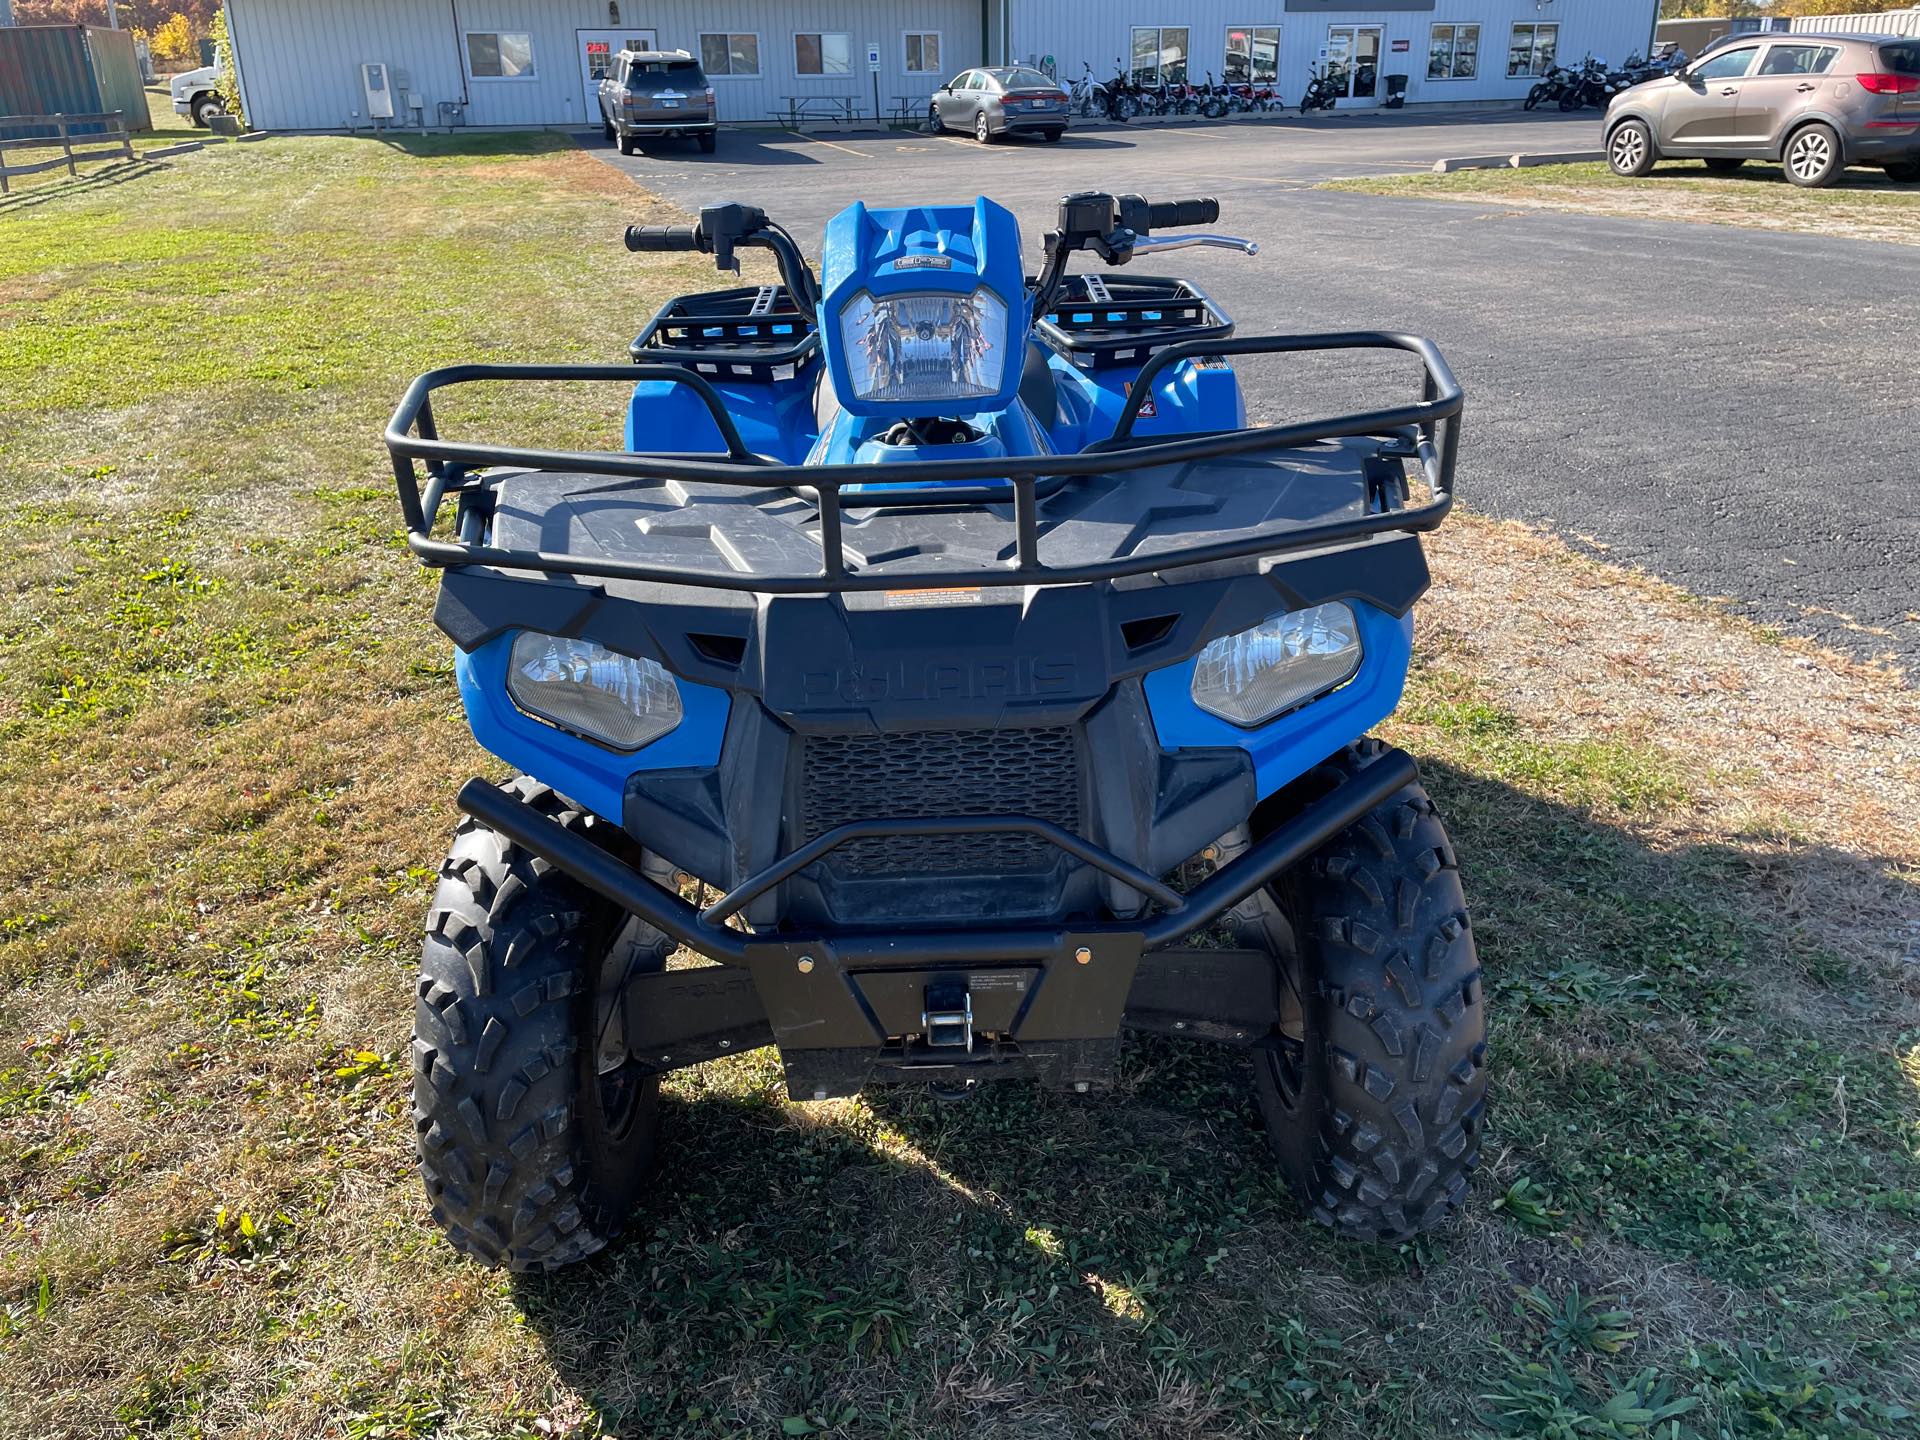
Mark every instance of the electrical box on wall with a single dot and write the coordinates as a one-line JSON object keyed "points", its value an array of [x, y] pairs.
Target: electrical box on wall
{"points": [[378, 84]]}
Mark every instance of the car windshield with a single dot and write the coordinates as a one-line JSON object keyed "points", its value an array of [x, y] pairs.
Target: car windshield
{"points": [[1023, 80]]}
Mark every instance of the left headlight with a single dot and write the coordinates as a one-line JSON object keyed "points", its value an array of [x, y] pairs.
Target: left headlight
{"points": [[584, 687], [1284, 661], [924, 348]]}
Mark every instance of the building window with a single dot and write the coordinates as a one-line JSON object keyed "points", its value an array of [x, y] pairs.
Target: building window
{"points": [[822, 54], [499, 55], [923, 52], [1159, 54], [1253, 54], [1531, 52], [730, 54], [1454, 53]]}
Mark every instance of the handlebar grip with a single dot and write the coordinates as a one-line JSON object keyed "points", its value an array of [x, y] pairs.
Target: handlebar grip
{"points": [[1172, 214], [665, 237]]}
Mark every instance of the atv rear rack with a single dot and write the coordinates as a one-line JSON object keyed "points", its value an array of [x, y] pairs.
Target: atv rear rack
{"points": [[1427, 430]]}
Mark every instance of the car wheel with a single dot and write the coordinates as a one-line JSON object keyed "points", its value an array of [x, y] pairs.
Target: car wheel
{"points": [[1630, 149], [1813, 156], [1724, 164], [709, 142], [1907, 172], [933, 120], [606, 130], [629, 145], [1052, 135], [205, 107], [981, 130]]}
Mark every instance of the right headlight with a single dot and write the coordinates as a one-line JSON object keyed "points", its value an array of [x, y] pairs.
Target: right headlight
{"points": [[1283, 662], [582, 686]]}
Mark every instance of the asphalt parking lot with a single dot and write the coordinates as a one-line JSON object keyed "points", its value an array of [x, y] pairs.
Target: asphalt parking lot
{"points": [[1729, 409]]}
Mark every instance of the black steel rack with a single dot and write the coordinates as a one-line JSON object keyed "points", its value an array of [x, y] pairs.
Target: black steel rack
{"points": [[1108, 320], [755, 333], [1426, 430]]}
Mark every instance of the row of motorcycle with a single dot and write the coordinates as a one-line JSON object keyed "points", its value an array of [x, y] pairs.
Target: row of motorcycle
{"points": [[1593, 82], [1123, 98]]}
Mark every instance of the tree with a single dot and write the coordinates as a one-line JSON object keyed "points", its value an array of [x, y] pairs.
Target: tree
{"points": [[176, 43], [147, 15], [1697, 9]]}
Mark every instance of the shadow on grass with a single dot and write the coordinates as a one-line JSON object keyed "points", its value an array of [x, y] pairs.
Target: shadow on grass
{"points": [[1131, 1263], [67, 187]]}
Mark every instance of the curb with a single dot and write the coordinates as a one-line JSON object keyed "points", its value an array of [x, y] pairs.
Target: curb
{"points": [[1558, 157], [185, 147], [1521, 161]]}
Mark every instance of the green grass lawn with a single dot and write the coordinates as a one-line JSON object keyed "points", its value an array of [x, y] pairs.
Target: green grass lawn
{"points": [[229, 739], [1865, 204]]}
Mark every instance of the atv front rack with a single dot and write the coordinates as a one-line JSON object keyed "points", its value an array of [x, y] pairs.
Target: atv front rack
{"points": [[755, 333], [1104, 321], [1426, 430]]}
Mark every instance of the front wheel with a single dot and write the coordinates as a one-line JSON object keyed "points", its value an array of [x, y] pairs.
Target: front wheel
{"points": [[1813, 157], [933, 120], [1052, 136], [1572, 100], [205, 107], [1373, 1087], [535, 1127], [1630, 149], [1535, 96]]}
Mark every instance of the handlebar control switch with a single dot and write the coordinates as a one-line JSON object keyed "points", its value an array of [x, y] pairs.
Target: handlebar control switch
{"points": [[726, 226]]}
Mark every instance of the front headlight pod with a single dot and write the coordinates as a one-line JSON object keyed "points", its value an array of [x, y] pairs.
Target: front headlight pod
{"points": [[925, 348], [1283, 662], [584, 687]]}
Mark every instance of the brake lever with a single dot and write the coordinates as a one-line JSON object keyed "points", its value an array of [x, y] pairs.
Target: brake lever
{"points": [[1184, 242]]}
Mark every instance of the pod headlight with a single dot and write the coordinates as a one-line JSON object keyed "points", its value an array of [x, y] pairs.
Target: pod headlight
{"points": [[584, 687], [1283, 662], [925, 348]]}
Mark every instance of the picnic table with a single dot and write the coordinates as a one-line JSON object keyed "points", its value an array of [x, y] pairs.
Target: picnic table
{"points": [[838, 108], [909, 108]]}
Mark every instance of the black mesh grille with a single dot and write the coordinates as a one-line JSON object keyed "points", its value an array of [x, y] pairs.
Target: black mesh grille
{"points": [[942, 772]]}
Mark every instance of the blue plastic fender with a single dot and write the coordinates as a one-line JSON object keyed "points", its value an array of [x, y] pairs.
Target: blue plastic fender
{"points": [[773, 419], [590, 775]]}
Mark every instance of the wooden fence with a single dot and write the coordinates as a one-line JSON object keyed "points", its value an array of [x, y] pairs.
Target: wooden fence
{"points": [[116, 143]]}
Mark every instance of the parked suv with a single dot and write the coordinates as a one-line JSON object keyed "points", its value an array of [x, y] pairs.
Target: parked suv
{"points": [[1815, 103], [657, 92]]}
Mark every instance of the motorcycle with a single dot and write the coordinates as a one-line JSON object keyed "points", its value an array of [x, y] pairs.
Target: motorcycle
{"points": [[1324, 87], [1088, 97], [1550, 87]]}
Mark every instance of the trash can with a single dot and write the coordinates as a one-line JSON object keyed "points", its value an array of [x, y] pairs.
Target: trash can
{"points": [[1396, 91]]}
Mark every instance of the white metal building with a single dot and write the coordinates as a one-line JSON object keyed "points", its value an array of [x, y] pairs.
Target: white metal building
{"points": [[1880, 22], [339, 64]]}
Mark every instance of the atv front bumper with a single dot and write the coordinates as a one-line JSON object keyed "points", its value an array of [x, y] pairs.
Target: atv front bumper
{"points": [[852, 1007]]}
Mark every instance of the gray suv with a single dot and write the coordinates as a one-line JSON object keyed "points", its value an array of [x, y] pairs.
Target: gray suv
{"points": [[657, 92], [1815, 103]]}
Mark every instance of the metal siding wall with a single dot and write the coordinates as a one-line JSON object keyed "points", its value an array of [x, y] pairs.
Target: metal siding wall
{"points": [[301, 58], [1099, 32], [44, 71], [1886, 22], [116, 70]]}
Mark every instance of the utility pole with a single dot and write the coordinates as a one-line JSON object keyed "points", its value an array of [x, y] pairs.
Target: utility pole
{"points": [[113, 15]]}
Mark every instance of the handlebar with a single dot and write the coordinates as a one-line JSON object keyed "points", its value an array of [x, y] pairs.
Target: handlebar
{"points": [[1169, 214], [667, 237]]}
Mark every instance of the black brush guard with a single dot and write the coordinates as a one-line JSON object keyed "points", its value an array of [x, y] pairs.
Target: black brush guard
{"points": [[850, 1007]]}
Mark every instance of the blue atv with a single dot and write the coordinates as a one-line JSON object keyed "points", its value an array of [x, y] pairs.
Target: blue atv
{"points": [[942, 680]]}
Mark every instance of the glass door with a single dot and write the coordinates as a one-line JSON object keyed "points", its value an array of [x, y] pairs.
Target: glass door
{"points": [[1356, 50], [598, 49]]}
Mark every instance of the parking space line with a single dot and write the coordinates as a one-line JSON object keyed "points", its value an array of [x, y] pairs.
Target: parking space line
{"points": [[844, 149]]}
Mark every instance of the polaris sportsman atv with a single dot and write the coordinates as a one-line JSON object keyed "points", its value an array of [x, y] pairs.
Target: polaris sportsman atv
{"points": [[942, 655]]}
